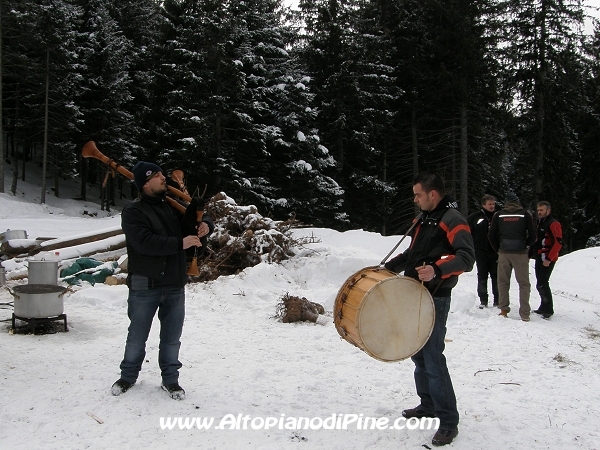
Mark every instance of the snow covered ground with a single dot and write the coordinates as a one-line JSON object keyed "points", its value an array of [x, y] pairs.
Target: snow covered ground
{"points": [[519, 385]]}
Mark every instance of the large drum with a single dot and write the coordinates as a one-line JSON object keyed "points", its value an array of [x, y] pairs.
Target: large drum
{"points": [[388, 316]]}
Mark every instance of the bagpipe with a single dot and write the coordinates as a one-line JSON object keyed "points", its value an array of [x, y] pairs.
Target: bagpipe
{"points": [[191, 208]]}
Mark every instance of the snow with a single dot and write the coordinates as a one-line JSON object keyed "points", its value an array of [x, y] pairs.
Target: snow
{"points": [[519, 385]]}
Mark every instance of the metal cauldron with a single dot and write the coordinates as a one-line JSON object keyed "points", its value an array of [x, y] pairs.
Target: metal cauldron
{"points": [[38, 300], [42, 272]]}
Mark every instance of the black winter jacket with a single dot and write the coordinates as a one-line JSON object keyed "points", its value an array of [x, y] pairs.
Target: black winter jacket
{"points": [[155, 257], [443, 239], [512, 230], [480, 224]]}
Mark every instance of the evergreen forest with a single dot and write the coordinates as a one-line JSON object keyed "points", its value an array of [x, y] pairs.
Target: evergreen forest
{"points": [[324, 112]]}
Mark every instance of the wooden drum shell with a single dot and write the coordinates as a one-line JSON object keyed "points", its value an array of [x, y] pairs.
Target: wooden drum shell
{"points": [[389, 317]]}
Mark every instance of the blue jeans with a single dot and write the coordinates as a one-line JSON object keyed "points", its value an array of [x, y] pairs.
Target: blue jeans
{"points": [[432, 378], [141, 308]]}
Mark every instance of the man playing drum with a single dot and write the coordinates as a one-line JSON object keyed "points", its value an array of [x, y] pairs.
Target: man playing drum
{"points": [[440, 250]]}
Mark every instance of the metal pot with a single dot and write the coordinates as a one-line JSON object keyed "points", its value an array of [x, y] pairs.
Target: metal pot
{"points": [[14, 234], [43, 272], [38, 300]]}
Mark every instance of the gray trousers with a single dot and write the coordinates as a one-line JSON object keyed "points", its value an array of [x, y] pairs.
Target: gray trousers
{"points": [[520, 263]]}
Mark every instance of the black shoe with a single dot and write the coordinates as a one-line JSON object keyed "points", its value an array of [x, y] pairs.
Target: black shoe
{"points": [[120, 387], [417, 412], [496, 304], [546, 315], [444, 437], [175, 391], [483, 305], [539, 311]]}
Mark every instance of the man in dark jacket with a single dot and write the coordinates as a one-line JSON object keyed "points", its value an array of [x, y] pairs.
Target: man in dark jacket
{"points": [[486, 257], [157, 277], [441, 249], [545, 251], [511, 234]]}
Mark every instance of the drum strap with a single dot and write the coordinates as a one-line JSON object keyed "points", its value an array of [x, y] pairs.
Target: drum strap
{"points": [[414, 224]]}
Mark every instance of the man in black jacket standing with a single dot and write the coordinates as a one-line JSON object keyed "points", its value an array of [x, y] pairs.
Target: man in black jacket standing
{"points": [[157, 276], [511, 234], [441, 248], [486, 257]]}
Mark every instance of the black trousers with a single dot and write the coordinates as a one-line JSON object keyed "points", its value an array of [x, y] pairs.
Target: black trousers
{"points": [[542, 275], [487, 264]]}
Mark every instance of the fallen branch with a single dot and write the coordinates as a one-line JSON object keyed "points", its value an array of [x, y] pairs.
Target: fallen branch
{"points": [[95, 417]]}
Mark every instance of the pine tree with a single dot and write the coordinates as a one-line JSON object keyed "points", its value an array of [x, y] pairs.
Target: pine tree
{"points": [[586, 220], [104, 96], [346, 54], [43, 83], [542, 55], [285, 163]]}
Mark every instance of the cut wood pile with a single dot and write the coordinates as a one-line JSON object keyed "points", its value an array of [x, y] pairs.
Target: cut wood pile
{"points": [[243, 238], [295, 309]]}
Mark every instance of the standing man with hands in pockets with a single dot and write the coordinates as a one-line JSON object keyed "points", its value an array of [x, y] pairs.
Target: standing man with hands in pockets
{"points": [[440, 250], [545, 251], [486, 258], [157, 277], [511, 234]]}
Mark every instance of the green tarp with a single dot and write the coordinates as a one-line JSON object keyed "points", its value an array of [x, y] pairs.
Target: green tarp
{"points": [[88, 269]]}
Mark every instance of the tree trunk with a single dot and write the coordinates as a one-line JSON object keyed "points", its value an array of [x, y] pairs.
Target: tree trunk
{"points": [[15, 177], [56, 180], [464, 168], [1, 126], [541, 112], [218, 126], [45, 159], [83, 173], [26, 150], [415, 149], [384, 197]]}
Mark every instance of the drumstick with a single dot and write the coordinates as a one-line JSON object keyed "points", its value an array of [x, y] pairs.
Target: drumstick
{"points": [[420, 302]]}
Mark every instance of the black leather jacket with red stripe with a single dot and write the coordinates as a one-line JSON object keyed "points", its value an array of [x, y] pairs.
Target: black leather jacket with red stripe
{"points": [[441, 238]]}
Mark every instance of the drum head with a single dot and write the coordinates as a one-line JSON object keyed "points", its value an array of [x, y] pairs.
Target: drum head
{"points": [[395, 318]]}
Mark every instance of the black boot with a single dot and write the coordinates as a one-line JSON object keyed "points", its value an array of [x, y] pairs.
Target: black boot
{"points": [[483, 302]]}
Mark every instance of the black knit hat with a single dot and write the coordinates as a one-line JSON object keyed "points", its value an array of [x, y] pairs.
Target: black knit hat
{"points": [[511, 197], [142, 171]]}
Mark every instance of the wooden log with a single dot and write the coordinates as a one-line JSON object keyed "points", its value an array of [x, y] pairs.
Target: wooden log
{"points": [[73, 241], [16, 247]]}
